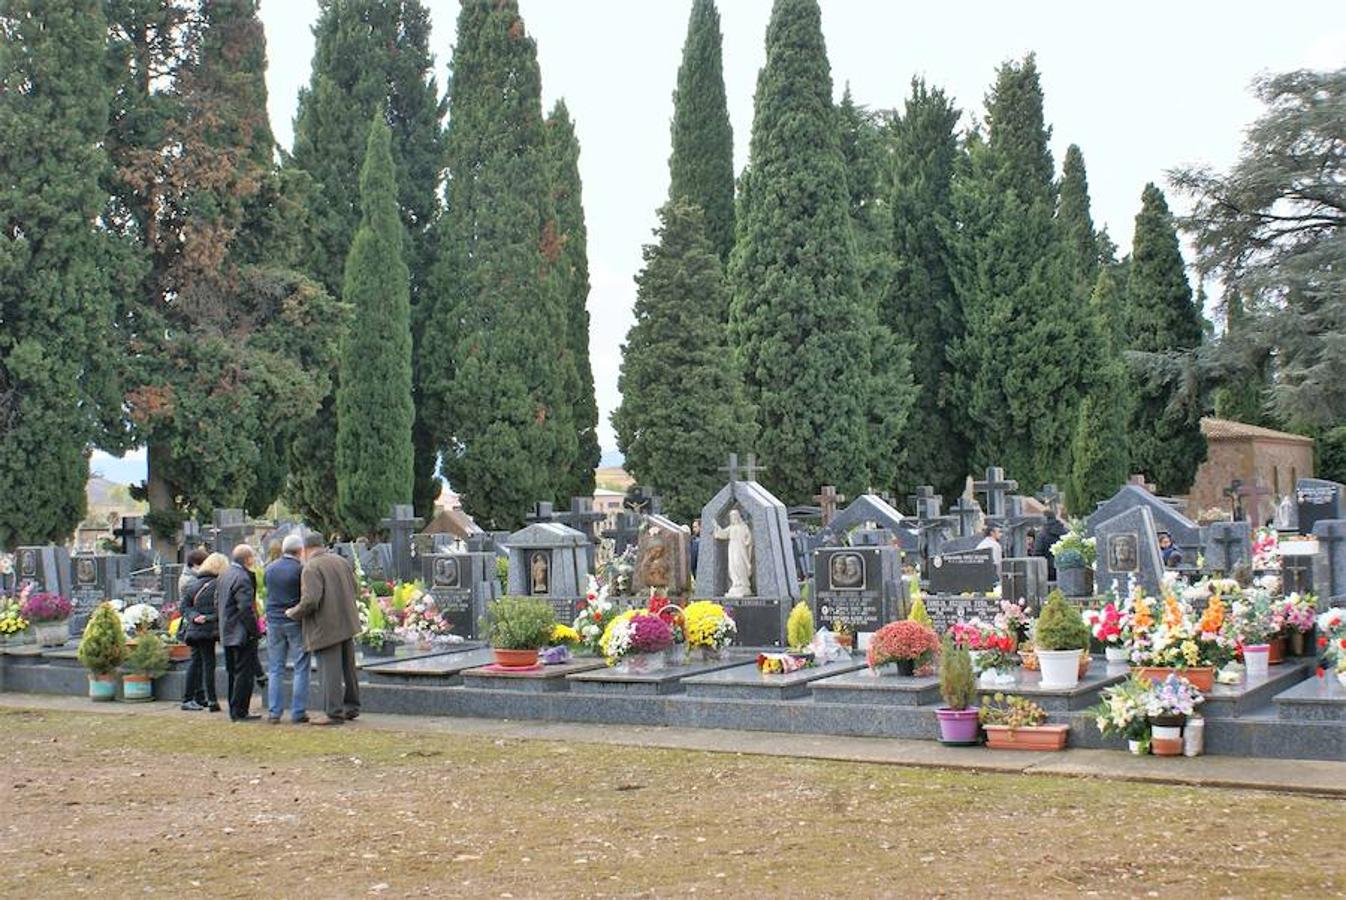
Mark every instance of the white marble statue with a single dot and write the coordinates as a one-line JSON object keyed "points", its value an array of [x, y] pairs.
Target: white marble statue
{"points": [[739, 537]]}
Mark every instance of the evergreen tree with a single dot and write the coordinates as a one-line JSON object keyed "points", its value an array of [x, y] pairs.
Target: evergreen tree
{"points": [[1099, 449], [374, 410], [59, 270], [681, 404], [563, 150], [1243, 395], [498, 307], [1020, 366], [1076, 223], [1166, 440], [368, 55], [921, 307], [702, 164], [865, 146]]}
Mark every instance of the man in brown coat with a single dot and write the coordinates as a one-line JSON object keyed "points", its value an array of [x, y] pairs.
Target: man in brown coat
{"points": [[328, 610]]}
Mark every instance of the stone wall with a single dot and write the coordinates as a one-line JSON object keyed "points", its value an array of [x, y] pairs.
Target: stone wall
{"points": [[1253, 455]]}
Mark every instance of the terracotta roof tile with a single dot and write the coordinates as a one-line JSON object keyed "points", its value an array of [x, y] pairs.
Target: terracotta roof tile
{"points": [[1226, 430]]}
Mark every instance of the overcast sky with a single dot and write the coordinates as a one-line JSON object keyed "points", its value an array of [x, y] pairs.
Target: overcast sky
{"points": [[1141, 87]]}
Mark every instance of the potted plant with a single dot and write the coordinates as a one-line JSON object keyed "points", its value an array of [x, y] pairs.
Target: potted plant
{"points": [[13, 626], [1168, 706], [47, 615], [147, 661], [1016, 723], [992, 651], [710, 630], [1060, 636], [1105, 625], [1124, 712], [672, 615], [958, 718], [906, 644], [799, 630], [1074, 556], [1177, 643], [635, 641], [1300, 614], [517, 628], [1250, 625], [102, 649]]}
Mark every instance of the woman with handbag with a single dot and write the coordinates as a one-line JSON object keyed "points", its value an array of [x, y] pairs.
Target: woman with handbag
{"points": [[203, 630]]}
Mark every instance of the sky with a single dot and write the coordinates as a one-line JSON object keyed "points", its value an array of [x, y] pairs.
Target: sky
{"points": [[1142, 87]]}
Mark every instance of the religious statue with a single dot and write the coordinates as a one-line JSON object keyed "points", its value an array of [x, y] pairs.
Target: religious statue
{"points": [[739, 537], [539, 567]]}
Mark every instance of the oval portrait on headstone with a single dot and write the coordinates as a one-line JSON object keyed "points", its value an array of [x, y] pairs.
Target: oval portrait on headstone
{"points": [[446, 572], [847, 572]]}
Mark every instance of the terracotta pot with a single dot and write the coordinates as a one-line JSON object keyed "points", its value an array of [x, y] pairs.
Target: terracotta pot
{"points": [[1203, 679], [1038, 737], [958, 726], [1166, 735], [1276, 655], [515, 659], [179, 652]]}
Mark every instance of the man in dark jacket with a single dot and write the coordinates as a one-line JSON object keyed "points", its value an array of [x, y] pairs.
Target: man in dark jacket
{"points": [[1051, 532], [236, 598], [328, 610]]}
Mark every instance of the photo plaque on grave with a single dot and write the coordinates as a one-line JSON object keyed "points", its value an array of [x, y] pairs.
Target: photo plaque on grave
{"points": [[451, 592], [856, 586]]}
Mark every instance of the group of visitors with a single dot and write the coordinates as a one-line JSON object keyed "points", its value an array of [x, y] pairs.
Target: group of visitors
{"points": [[311, 612]]}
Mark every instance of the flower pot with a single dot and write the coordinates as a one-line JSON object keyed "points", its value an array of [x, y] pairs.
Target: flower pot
{"points": [[1116, 654], [1301, 642], [179, 652], [906, 667], [1194, 736], [958, 726], [137, 688], [641, 663], [51, 634], [1255, 661], [1038, 737], [1203, 679], [381, 650], [103, 688], [1277, 654], [1165, 740], [1060, 668], [1075, 582], [514, 659], [1137, 748]]}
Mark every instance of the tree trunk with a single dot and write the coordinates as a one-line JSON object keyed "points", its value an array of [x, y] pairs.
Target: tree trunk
{"points": [[159, 494]]}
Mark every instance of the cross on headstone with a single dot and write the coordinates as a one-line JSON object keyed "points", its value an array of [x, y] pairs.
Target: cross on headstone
{"points": [[995, 486], [543, 511], [1051, 498], [401, 524], [881, 494], [1329, 533], [1227, 540], [926, 502], [626, 532], [967, 512], [1139, 481], [130, 531], [642, 499], [1234, 494], [582, 516], [1256, 491], [828, 498]]}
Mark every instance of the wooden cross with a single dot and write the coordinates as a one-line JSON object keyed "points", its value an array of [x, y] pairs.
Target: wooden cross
{"points": [[995, 486], [828, 498]]}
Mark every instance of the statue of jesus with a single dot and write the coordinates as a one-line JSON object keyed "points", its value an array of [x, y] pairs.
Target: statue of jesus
{"points": [[739, 538]]}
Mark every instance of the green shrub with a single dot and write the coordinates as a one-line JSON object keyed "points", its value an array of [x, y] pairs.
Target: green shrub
{"points": [[148, 656], [519, 623], [1060, 626], [799, 627], [103, 646], [957, 685]]}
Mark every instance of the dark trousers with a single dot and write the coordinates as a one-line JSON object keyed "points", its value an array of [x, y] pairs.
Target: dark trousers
{"points": [[239, 662], [336, 671], [201, 673]]}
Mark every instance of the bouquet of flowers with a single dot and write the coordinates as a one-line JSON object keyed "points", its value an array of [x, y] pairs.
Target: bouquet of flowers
{"points": [[139, 617], [1332, 635], [672, 615], [620, 572], [900, 642], [11, 621], [1250, 619], [1124, 710], [991, 647], [1299, 612], [1105, 624], [595, 612], [564, 634], [635, 631], [1174, 696], [1014, 619], [1075, 540], [1266, 549], [44, 607], [421, 619], [1179, 640], [375, 629], [708, 625]]}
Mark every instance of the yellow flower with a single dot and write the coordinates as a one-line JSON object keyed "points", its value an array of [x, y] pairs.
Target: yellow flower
{"points": [[1191, 652], [702, 620], [564, 634]]}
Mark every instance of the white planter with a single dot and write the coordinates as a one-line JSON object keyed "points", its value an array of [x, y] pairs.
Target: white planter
{"points": [[1116, 654], [1060, 668], [992, 678], [1194, 736], [1137, 748], [1255, 658]]}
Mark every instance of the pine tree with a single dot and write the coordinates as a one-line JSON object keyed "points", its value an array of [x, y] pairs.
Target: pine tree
{"points": [[803, 333], [921, 307], [702, 164], [59, 270], [368, 55], [1099, 449], [498, 303], [563, 150], [1166, 440], [1076, 223], [374, 410], [681, 404]]}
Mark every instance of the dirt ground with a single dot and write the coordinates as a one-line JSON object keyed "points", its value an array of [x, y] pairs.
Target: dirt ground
{"points": [[123, 805]]}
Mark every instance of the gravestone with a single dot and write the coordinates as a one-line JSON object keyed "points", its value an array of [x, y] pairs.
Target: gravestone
{"points": [[1329, 571], [1017, 522], [1317, 499], [132, 533], [947, 610], [93, 580], [761, 615], [995, 487], [861, 587], [189, 538], [870, 512], [1228, 544], [625, 533], [663, 557], [1299, 559], [46, 568], [932, 528], [462, 584], [401, 524], [551, 561], [584, 518], [227, 529], [1128, 547], [970, 571], [1185, 533], [803, 542], [968, 514], [1024, 579]]}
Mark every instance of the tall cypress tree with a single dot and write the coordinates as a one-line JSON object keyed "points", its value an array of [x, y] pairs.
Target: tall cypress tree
{"points": [[1099, 448], [563, 151], [702, 164], [1166, 440], [373, 400], [58, 268], [865, 148], [1076, 223], [368, 55], [497, 295], [681, 404], [921, 307]]}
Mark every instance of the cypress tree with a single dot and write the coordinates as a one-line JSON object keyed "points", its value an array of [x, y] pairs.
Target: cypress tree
{"points": [[58, 268], [865, 149], [1099, 449], [1077, 225], [1166, 440], [563, 150], [921, 307], [501, 380], [681, 404], [374, 411], [702, 164], [802, 330]]}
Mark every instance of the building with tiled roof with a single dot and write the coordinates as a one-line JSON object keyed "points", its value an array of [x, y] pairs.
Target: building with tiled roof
{"points": [[1275, 460]]}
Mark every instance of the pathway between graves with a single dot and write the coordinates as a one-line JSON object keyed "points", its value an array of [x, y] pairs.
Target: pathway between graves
{"points": [[1317, 777]]}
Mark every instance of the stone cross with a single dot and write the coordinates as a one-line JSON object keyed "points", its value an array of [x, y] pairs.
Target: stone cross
{"points": [[828, 498], [189, 535], [881, 494], [967, 512], [1329, 533], [543, 511], [1256, 491], [401, 523], [582, 516], [130, 531], [227, 530], [926, 502], [626, 533], [995, 487], [1051, 498], [1227, 540]]}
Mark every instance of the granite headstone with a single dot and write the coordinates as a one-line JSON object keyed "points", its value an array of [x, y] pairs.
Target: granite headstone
{"points": [[1227, 545], [1317, 499], [861, 587], [550, 560], [1128, 547]]}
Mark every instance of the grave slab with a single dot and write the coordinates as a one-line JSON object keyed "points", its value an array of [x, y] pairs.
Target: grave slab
{"points": [[1313, 700], [1060, 700], [546, 680], [437, 670], [1235, 700], [745, 682], [665, 681], [866, 687]]}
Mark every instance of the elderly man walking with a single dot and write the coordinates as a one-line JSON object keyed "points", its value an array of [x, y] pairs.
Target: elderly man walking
{"points": [[236, 601], [328, 611], [284, 637]]}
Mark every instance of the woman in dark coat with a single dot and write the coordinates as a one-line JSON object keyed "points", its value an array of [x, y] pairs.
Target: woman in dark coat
{"points": [[203, 630]]}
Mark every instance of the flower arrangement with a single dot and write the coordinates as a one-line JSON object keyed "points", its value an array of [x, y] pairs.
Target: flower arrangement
{"points": [[904, 641], [620, 572], [564, 635], [1250, 620], [635, 631], [44, 607], [1179, 639], [420, 617], [375, 629], [1124, 710], [1332, 635], [595, 612], [138, 618], [994, 648], [1173, 696], [708, 625], [1011, 711], [519, 623], [671, 613], [1074, 540], [1266, 549], [1105, 625], [12, 621], [1014, 619], [1299, 612]]}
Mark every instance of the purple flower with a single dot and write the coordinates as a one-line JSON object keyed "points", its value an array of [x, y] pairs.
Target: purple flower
{"points": [[45, 608], [650, 634]]}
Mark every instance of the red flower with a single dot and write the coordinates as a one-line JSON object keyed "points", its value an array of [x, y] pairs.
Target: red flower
{"points": [[1321, 672], [598, 616], [582, 605], [1322, 642]]}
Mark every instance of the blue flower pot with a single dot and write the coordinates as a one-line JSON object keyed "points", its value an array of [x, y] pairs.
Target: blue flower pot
{"points": [[137, 688], [102, 688]]}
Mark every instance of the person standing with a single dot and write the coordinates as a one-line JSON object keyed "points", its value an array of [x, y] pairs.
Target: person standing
{"points": [[201, 616], [284, 636], [328, 610], [990, 540], [236, 600], [189, 571], [1052, 531]]}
